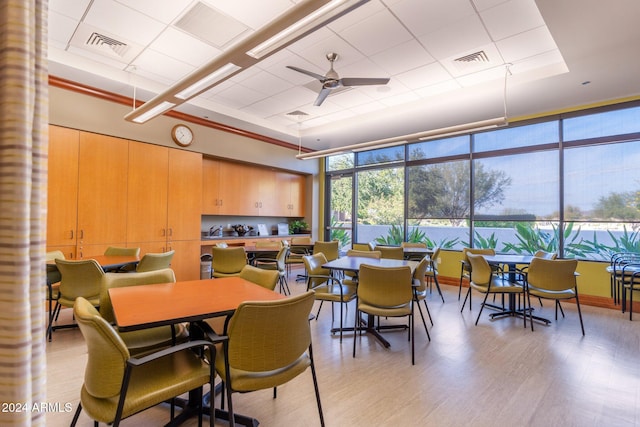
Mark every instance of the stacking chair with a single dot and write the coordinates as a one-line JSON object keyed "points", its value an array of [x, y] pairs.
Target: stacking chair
{"points": [[265, 278], [432, 271], [81, 278], [360, 247], [351, 277], [155, 261], [326, 287], [465, 267], [117, 385], [119, 251], [622, 266], [630, 284], [386, 292], [273, 247], [228, 262], [329, 249], [297, 249], [53, 284], [278, 264], [269, 345], [555, 280], [485, 280], [390, 252], [148, 339], [420, 291]]}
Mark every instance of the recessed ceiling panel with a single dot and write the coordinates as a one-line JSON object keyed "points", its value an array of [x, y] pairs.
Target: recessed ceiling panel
{"points": [[210, 25]]}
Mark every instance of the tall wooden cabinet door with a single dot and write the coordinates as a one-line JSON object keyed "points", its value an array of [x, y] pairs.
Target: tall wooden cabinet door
{"points": [[102, 189], [238, 191], [147, 193], [283, 193], [297, 186], [184, 195], [186, 261], [267, 192], [62, 191], [210, 186]]}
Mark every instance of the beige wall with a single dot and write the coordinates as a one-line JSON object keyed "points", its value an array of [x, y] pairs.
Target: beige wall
{"points": [[78, 111]]}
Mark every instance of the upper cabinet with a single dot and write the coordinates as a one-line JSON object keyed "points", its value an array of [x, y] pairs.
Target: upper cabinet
{"points": [[237, 189]]}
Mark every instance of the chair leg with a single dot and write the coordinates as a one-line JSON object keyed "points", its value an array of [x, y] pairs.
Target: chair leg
{"points": [[579, 313], [428, 312], [422, 316], [468, 295], [530, 311], [435, 280], [319, 308], [460, 286], [76, 415], [315, 385], [482, 307], [413, 336]]}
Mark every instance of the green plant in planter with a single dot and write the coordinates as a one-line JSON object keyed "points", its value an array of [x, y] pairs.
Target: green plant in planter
{"points": [[297, 226]]}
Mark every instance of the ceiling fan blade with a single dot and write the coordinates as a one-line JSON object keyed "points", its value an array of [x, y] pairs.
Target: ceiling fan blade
{"points": [[308, 73], [361, 81], [322, 96]]}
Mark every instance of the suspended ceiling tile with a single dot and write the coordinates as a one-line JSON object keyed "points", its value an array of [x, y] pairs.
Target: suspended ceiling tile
{"points": [[426, 16], [238, 96], [73, 9], [253, 14], [212, 26], [123, 22], [461, 36], [61, 30], [404, 57], [511, 18], [182, 47], [267, 83], [163, 11], [368, 38], [524, 45], [424, 76]]}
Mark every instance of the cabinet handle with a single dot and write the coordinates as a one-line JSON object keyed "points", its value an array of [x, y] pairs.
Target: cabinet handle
{"points": [[216, 202], [81, 234], [260, 204], [170, 232], [220, 202], [71, 235], [164, 232]]}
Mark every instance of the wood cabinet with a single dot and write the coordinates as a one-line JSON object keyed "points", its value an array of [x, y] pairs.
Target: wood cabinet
{"points": [[237, 189], [62, 192], [184, 197]]}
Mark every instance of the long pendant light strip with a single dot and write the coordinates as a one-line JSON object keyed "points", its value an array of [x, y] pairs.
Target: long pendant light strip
{"points": [[299, 21]]}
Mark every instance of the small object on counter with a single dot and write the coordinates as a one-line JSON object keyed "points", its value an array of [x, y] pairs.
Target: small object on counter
{"points": [[241, 229]]}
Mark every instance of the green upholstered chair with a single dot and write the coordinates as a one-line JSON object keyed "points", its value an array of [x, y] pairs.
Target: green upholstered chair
{"points": [[420, 290], [155, 261], [329, 249], [260, 276], [278, 264], [298, 247], [149, 339], [350, 277], [327, 287], [120, 251], [117, 386], [360, 247], [228, 262], [390, 252], [465, 266], [487, 281], [555, 280], [416, 257], [386, 292], [269, 345], [432, 272], [79, 278], [53, 284]]}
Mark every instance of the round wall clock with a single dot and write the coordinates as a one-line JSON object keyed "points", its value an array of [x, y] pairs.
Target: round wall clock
{"points": [[182, 135]]}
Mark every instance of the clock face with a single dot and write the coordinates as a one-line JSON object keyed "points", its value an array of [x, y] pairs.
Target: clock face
{"points": [[182, 135]]}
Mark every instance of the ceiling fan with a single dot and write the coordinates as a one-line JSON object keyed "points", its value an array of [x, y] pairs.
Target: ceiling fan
{"points": [[331, 80]]}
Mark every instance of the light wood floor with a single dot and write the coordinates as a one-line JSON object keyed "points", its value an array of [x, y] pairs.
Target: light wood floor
{"points": [[493, 374]]}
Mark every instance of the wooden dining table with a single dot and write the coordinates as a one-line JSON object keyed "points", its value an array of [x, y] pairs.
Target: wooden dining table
{"points": [[352, 264], [147, 306]]}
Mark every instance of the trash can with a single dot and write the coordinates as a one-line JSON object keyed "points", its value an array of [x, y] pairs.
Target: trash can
{"points": [[205, 266]]}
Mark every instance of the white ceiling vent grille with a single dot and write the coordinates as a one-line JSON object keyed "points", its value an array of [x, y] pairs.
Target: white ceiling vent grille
{"points": [[101, 41], [211, 26], [480, 56]]}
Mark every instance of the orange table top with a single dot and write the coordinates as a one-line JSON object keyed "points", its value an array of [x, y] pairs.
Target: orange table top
{"points": [[144, 306]]}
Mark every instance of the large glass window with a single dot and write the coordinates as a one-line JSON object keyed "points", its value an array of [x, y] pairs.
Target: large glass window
{"points": [[340, 210], [569, 185]]}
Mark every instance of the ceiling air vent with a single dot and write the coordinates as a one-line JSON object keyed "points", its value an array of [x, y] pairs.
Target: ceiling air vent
{"points": [[101, 41], [480, 56], [297, 113]]}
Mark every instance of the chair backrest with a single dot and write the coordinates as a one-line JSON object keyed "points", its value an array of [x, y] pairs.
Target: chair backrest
{"points": [[268, 244], [385, 286], [360, 247], [329, 249], [269, 335], [477, 251], [228, 260], [107, 353], [115, 250], [545, 255], [281, 259], [364, 254], [313, 264], [413, 245], [265, 278], [119, 280], [434, 258], [300, 241], [552, 274], [418, 274], [155, 261], [480, 269], [391, 252], [53, 255], [81, 278]]}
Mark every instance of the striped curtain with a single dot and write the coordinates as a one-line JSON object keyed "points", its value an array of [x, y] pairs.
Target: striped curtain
{"points": [[24, 110]]}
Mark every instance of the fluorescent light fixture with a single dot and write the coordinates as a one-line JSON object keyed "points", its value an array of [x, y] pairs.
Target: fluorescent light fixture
{"points": [[207, 81], [321, 16], [155, 111], [399, 140]]}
